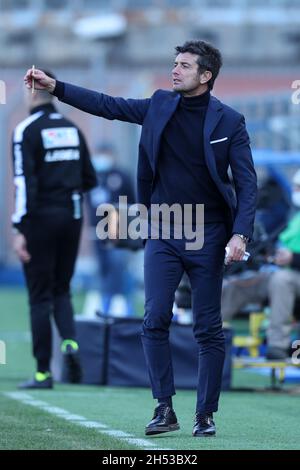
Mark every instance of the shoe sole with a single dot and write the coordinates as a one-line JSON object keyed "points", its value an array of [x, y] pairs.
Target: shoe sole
{"points": [[207, 434], [161, 429], [35, 386], [24, 387]]}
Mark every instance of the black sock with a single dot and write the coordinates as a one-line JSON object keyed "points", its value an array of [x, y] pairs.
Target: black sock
{"points": [[43, 366], [165, 400], [201, 413]]}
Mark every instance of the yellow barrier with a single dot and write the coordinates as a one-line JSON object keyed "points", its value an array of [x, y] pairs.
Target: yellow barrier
{"points": [[253, 340]]}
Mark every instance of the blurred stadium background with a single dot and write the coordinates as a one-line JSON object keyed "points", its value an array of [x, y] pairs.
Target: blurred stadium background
{"points": [[125, 47]]}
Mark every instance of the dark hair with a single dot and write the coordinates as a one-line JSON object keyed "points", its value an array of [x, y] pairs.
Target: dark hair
{"points": [[209, 58]]}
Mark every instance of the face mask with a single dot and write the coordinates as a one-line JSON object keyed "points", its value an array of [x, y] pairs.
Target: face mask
{"points": [[102, 162], [296, 198]]}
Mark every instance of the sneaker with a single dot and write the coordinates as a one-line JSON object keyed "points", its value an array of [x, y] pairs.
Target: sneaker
{"points": [[41, 380], [72, 367], [164, 420]]}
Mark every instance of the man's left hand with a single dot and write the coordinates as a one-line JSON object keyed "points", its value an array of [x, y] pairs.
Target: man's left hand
{"points": [[237, 248], [20, 247]]}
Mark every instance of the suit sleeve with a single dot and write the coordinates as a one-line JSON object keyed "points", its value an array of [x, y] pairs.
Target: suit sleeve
{"points": [[25, 178], [89, 179], [99, 104], [245, 180]]}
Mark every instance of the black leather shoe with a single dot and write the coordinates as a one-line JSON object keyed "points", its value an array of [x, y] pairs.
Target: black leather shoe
{"points": [[204, 425], [164, 420], [45, 384]]}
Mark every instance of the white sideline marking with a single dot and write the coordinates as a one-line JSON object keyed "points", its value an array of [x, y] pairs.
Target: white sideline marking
{"points": [[71, 417], [54, 410], [27, 399], [138, 442], [92, 424], [109, 432], [37, 403]]}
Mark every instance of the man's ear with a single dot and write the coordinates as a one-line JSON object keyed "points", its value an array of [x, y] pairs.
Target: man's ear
{"points": [[205, 77]]}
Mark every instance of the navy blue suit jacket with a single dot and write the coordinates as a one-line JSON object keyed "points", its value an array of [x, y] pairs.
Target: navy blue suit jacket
{"points": [[226, 143]]}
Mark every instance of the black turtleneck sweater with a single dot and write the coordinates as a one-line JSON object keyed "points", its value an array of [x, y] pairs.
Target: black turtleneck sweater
{"points": [[182, 175]]}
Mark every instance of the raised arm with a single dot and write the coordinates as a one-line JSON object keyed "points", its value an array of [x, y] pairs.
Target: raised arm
{"points": [[92, 102]]}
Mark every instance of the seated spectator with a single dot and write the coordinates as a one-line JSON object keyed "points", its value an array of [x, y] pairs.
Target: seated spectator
{"points": [[274, 200], [277, 282]]}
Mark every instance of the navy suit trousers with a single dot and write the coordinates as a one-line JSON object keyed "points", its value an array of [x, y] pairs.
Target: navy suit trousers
{"points": [[165, 262]]}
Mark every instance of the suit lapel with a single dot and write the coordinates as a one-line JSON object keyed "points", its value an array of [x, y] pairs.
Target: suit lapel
{"points": [[166, 109], [164, 114], [213, 115]]}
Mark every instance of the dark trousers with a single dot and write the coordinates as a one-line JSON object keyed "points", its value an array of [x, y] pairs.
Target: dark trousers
{"points": [[165, 262], [52, 241]]}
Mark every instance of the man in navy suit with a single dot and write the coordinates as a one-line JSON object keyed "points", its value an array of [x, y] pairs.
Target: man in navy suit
{"points": [[189, 140]]}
